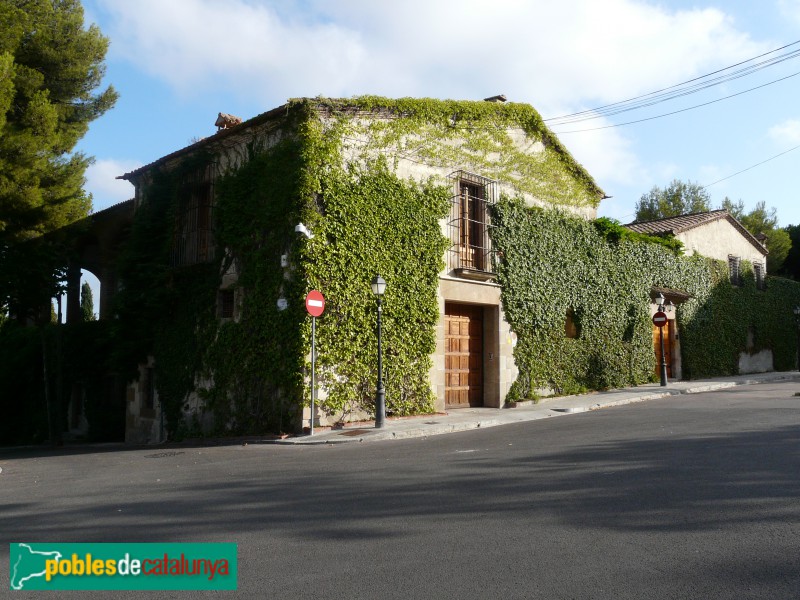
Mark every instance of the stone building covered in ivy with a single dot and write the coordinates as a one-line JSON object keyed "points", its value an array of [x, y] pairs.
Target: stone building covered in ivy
{"points": [[215, 272], [501, 283]]}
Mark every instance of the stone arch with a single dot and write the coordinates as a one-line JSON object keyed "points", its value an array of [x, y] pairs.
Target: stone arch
{"points": [[97, 243]]}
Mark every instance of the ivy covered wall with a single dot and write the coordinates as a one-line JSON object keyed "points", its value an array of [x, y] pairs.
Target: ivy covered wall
{"points": [[717, 326], [368, 177], [552, 263], [421, 137], [374, 224]]}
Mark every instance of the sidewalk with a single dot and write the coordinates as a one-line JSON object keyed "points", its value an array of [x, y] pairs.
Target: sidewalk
{"points": [[464, 419]]}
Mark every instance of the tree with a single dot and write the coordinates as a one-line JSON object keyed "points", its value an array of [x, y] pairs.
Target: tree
{"points": [[50, 70], [87, 302], [791, 266], [31, 274], [762, 220], [678, 198], [778, 243], [735, 209]]}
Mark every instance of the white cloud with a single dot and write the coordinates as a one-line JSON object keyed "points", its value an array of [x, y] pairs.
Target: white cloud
{"points": [[608, 156], [560, 57], [542, 52], [193, 44], [101, 182], [787, 132]]}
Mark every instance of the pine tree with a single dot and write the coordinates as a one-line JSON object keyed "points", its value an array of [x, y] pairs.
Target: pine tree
{"points": [[51, 67], [87, 302], [763, 220], [678, 198]]}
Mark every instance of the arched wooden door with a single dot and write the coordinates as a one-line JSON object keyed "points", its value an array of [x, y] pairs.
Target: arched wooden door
{"points": [[668, 337]]}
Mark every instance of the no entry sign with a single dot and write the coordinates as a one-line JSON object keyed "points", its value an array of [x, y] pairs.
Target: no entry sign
{"points": [[315, 303], [659, 319]]}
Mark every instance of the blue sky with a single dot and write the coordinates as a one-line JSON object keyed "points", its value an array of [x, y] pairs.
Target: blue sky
{"points": [[176, 64]]}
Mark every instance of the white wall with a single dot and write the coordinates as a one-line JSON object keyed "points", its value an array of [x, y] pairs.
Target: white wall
{"points": [[719, 239]]}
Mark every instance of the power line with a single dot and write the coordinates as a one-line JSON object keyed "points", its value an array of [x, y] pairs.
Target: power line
{"points": [[751, 167], [679, 93], [675, 112], [649, 94], [682, 89]]}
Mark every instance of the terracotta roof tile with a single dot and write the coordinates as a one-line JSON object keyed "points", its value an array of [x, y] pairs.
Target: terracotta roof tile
{"points": [[681, 223]]}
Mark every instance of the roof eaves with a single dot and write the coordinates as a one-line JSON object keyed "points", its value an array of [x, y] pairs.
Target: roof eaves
{"points": [[216, 137], [684, 223]]}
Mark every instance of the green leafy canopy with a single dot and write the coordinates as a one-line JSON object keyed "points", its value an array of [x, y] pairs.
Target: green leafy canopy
{"points": [[51, 70]]}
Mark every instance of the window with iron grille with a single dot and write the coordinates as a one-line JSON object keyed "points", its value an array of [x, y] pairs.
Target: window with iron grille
{"points": [[733, 270], [226, 304], [193, 241], [149, 388], [468, 225], [758, 272]]}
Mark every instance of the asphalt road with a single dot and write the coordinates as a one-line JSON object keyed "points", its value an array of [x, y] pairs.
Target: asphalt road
{"points": [[685, 497]]}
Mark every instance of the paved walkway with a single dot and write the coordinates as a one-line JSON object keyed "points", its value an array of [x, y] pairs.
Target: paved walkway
{"points": [[473, 418]]}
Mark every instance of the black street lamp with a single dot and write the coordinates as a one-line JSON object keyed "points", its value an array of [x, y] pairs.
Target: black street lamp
{"points": [[378, 288], [796, 311], [663, 308]]}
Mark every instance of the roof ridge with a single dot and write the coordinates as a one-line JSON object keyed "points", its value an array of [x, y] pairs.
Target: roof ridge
{"points": [[683, 216], [682, 223]]}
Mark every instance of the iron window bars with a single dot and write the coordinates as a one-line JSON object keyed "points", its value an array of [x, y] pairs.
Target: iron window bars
{"points": [[469, 224]]}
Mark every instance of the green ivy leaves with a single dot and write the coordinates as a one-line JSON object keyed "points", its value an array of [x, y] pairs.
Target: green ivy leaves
{"points": [[374, 223], [336, 170], [553, 262]]}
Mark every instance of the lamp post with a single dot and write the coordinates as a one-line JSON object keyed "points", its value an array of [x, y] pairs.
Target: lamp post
{"points": [[378, 288], [796, 311]]}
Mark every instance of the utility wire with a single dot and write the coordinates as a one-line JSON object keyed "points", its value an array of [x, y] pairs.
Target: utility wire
{"points": [[589, 115], [751, 167], [682, 89], [675, 112]]}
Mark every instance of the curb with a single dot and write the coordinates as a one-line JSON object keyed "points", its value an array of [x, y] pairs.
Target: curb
{"points": [[519, 414]]}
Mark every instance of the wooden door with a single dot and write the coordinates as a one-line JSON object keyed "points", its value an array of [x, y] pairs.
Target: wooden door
{"points": [[667, 348], [463, 355]]}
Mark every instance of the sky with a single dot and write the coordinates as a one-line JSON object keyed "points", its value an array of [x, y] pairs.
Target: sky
{"points": [[178, 63]]}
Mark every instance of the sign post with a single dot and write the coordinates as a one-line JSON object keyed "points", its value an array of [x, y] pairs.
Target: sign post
{"points": [[315, 305], [660, 320]]}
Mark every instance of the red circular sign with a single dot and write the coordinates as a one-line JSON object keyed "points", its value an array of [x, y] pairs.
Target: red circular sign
{"points": [[660, 319], [315, 303]]}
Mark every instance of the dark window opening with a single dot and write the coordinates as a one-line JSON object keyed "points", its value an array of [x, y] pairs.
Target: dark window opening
{"points": [[734, 270], [193, 240], [571, 326], [758, 272], [149, 388], [469, 224], [226, 304]]}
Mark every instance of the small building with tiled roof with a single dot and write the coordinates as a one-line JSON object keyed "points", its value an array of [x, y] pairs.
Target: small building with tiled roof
{"points": [[715, 234], [718, 235]]}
